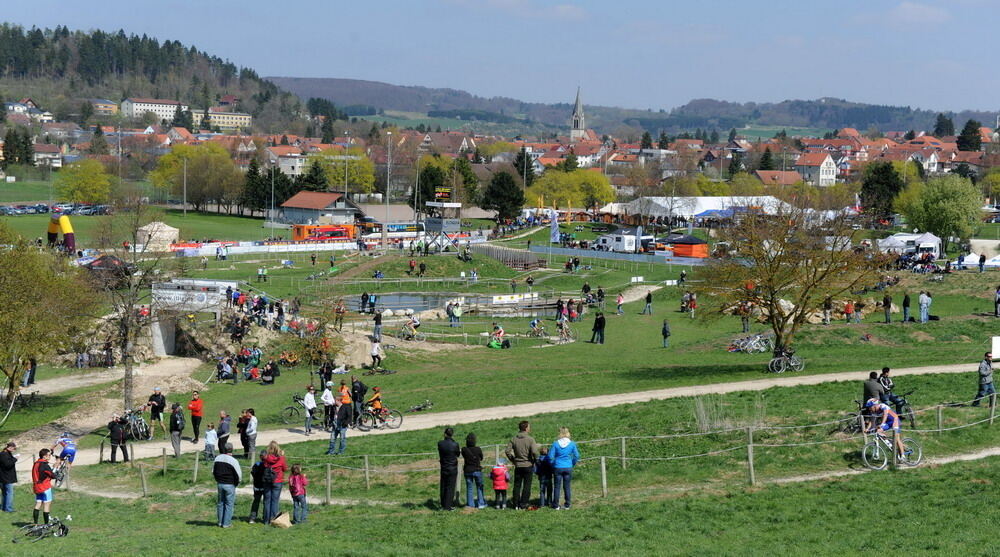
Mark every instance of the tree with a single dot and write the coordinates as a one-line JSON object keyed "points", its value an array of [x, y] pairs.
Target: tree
{"points": [[943, 127], [430, 178], [579, 188], [965, 171], [18, 149], [879, 187], [462, 170], [970, 139], [909, 136], [525, 167], [732, 134], [315, 178], [735, 164], [183, 119], [744, 184], [595, 188], [351, 164], [327, 131], [42, 304], [83, 181], [99, 143], [206, 120], [86, 112], [786, 268], [3, 110], [766, 160], [646, 142], [256, 193], [503, 195], [211, 176], [568, 164], [713, 138], [945, 206], [663, 142]]}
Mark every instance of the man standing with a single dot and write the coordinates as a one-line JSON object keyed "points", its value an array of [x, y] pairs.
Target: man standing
{"points": [[665, 332], [116, 434], [157, 404], [924, 302], [448, 451], [598, 336], [223, 429], [985, 378], [8, 477], [377, 332], [648, 310], [522, 451], [906, 307], [176, 427], [328, 406], [887, 307], [312, 258], [827, 310], [227, 476], [338, 431], [996, 302], [309, 402], [982, 262], [251, 432], [358, 392], [196, 406], [41, 480]]}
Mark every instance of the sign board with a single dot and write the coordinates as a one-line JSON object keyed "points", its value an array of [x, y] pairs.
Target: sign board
{"points": [[191, 294], [996, 345], [447, 226], [444, 205], [638, 279], [513, 298], [442, 193]]}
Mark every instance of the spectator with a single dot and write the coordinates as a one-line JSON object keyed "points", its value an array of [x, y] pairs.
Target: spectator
{"points": [[423, 267], [472, 467], [887, 307], [985, 378], [176, 427], [665, 331], [456, 312], [257, 473], [448, 452], [906, 307], [275, 468], [377, 332], [333, 260], [358, 392], [827, 310], [598, 330], [251, 432], [564, 456], [8, 476], [338, 431], [544, 471], [309, 402], [620, 300], [31, 369], [297, 487], [196, 406], [858, 306], [982, 262], [648, 309], [924, 302], [116, 435], [522, 451], [312, 259], [996, 302], [223, 432], [227, 475], [157, 404], [328, 405], [849, 311], [211, 441], [873, 388], [888, 396], [501, 479], [41, 480], [376, 353], [513, 286], [241, 429]]}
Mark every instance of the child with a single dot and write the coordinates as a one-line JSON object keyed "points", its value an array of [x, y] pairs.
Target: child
{"points": [[500, 477], [297, 487], [545, 471], [211, 440]]}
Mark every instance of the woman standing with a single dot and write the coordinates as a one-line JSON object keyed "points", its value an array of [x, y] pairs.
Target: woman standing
{"points": [[564, 456], [275, 468], [472, 458]]}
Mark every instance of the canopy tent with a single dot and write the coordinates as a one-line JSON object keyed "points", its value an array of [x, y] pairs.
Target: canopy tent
{"points": [[690, 207], [688, 246], [157, 236], [903, 242]]}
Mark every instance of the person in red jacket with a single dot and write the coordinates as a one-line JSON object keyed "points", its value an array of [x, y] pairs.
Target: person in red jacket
{"points": [[196, 406], [275, 467], [41, 479], [501, 479]]}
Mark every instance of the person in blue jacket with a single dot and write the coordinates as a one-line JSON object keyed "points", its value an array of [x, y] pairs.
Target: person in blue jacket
{"points": [[564, 455]]}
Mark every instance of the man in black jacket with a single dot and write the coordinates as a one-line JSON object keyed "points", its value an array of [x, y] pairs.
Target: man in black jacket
{"points": [[8, 477], [358, 392], [157, 404], [599, 322], [116, 434], [176, 427], [259, 487], [448, 452], [227, 475]]}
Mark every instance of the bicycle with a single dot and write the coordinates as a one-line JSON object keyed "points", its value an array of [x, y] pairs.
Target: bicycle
{"points": [[378, 371], [876, 453], [405, 334], [136, 427], [35, 532], [536, 333], [566, 334], [377, 419], [785, 360], [60, 473], [906, 412], [425, 405], [293, 414]]}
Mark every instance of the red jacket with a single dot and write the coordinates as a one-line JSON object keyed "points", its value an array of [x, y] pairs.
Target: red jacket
{"points": [[41, 475], [195, 406], [500, 477], [278, 464], [297, 484]]}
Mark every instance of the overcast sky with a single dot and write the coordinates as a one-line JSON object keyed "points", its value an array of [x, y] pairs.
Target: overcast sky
{"points": [[932, 54]]}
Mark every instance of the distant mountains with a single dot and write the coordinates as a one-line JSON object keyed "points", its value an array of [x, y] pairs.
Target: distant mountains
{"points": [[706, 114]]}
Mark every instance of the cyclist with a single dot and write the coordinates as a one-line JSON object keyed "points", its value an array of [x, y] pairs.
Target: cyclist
{"points": [[412, 324], [889, 420], [375, 402], [536, 326], [498, 332], [68, 453], [41, 479]]}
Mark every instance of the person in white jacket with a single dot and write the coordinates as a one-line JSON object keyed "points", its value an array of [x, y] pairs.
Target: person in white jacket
{"points": [[309, 402], [328, 405]]}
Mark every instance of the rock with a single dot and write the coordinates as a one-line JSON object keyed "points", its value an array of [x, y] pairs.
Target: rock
{"points": [[408, 312], [387, 313]]}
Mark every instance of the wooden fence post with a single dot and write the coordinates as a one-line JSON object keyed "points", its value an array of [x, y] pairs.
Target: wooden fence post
{"points": [[993, 407], [368, 482], [604, 477], [624, 462], [131, 451], [164, 461], [100, 457], [142, 478], [751, 474], [194, 475], [940, 418], [496, 453], [328, 476]]}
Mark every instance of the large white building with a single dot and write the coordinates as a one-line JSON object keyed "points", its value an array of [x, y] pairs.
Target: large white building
{"points": [[164, 109]]}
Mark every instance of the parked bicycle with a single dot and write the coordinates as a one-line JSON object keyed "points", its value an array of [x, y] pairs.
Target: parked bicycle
{"points": [[425, 405], [136, 427], [877, 452], [758, 343], [30, 401], [906, 412], [35, 532], [378, 419], [293, 413], [785, 360], [378, 371]]}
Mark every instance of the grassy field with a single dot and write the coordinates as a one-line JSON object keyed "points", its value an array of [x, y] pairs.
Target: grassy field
{"points": [[767, 132]]}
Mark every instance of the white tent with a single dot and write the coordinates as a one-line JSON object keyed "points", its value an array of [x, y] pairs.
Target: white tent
{"points": [[157, 236], [905, 243], [688, 207]]}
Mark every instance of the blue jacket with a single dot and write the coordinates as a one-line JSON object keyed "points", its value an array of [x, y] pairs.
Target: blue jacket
{"points": [[564, 453]]}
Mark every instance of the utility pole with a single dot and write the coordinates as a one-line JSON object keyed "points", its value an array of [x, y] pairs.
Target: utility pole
{"points": [[185, 187], [347, 145], [388, 179], [271, 216]]}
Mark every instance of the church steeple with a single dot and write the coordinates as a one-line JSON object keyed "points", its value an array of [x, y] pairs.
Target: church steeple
{"points": [[579, 129]]}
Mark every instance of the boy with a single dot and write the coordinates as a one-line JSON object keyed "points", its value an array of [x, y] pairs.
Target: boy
{"points": [[211, 440], [41, 479]]}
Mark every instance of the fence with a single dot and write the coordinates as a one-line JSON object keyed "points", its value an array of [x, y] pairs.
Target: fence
{"points": [[616, 256], [607, 459]]}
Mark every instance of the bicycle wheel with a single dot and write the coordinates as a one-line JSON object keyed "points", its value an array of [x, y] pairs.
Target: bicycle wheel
{"points": [[291, 414], [874, 456], [30, 533], [776, 365], [419, 337], [796, 363], [368, 372], [142, 428], [913, 454], [367, 422], [59, 476], [850, 424], [394, 419]]}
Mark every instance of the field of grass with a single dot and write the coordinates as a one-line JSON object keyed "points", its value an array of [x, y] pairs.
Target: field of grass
{"points": [[767, 132], [27, 190]]}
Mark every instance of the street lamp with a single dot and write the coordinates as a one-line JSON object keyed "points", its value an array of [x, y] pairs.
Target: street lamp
{"points": [[347, 145], [388, 179]]}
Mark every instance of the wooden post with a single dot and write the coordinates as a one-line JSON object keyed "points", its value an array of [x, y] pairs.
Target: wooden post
{"points": [[624, 462], [100, 457], [164, 461], [993, 407], [328, 482], [496, 453], [940, 418], [368, 481], [142, 478], [751, 474], [131, 451], [197, 459], [604, 477]]}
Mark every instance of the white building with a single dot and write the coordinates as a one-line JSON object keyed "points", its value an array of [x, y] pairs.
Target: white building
{"points": [[817, 168], [164, 109]]}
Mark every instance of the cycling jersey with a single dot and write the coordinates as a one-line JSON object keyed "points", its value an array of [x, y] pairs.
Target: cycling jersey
{"points": [[69, 448], [415, 322], [376, 401], [892, 419], [535, 323]]}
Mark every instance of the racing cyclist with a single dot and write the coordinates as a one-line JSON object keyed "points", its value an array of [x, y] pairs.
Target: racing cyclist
{"points": [[68, 453], [412, 324], [536, 327], [889, 420]]}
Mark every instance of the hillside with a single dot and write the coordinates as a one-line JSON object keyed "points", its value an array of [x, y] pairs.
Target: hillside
{"points": [[700, 113], [58, 68]]}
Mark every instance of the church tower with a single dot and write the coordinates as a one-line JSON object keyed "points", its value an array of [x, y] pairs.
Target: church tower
{"points": [[579, 131]]}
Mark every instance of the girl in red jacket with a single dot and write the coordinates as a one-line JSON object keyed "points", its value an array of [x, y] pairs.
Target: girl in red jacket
{"points": [[501, 477], [297, 487]]}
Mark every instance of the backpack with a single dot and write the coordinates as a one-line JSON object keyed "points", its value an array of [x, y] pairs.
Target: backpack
{"points": [[268, 475]]}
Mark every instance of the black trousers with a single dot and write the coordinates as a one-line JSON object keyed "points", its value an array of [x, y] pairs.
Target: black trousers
{"points": [[114, 452], [258, 495], [522, 486], [448, 479], [196, 425], [223, 439]]}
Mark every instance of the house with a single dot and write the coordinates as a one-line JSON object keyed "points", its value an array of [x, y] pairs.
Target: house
{"points": [[778, 177], [48, 155], [164, 109], [315, 207], [289, 158], [180, 135], [229, 100], [103, 107], [225, 121], [817, 168], [61, 130]]}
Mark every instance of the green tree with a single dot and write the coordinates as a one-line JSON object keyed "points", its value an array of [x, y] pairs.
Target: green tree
{"points": [[943, 127], [83, 181], [766, 160], [3, 110], [945, 206], [646, 142], [663, 142], [909, 136], [18, 149], [327, 130], [314, 179], [965, 171], [183, 119], [430, 178], [744, 184], [86, 112], [568, 164], [713, 138], [595, 188], [525, 167], [256, 188], [360, 170], [735, 164], [98, 143], [503, 195], [470, 182], [880, 185], [211, 176], [732, 134], [970, 139]]}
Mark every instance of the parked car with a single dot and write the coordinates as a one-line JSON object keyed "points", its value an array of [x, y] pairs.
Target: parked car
{"points": [[41, 208]]}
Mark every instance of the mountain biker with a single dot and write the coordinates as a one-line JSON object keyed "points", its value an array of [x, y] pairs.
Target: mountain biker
{"points": [[68, 453], [375, 401], [412, 324], [536, 326], [889, 420], [498, 332], [887, 396]]}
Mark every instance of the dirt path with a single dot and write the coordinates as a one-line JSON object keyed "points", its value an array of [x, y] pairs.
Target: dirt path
{"points": [[440, 419]]}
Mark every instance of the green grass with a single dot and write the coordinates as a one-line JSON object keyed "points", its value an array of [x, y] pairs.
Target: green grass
{"points": [[27, 190], [46, 409]]}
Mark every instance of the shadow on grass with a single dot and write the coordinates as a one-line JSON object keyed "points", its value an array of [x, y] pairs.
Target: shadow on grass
{"points": [[202, 523], [429, 504]]}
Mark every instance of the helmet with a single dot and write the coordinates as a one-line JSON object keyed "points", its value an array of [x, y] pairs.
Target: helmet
{"points": [[870, 403], [329, 383], [66, 434]]}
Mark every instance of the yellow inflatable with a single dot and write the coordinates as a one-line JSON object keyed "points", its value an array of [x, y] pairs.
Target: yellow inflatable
{"points": [[60, 223]]}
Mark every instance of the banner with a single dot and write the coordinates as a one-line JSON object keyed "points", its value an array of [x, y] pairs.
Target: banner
{"points": [[554, 229]]}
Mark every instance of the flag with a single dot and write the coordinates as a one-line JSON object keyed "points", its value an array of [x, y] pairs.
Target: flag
{"points": [[554, 229]]}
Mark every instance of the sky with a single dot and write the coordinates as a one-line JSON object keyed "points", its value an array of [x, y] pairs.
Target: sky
{"points": [[655, 54]]}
